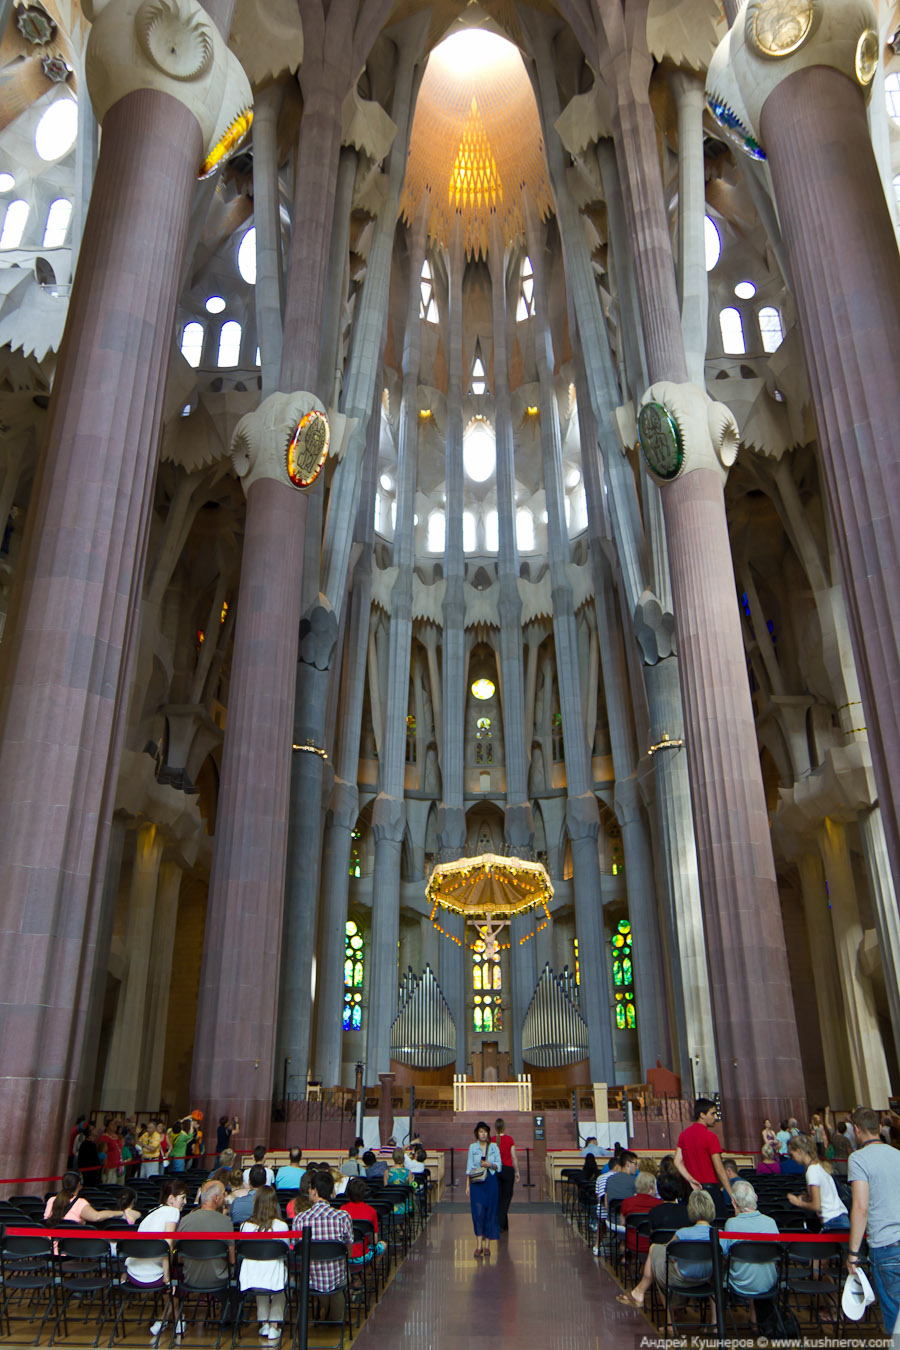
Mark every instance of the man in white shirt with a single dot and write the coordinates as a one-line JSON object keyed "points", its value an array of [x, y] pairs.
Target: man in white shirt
{"points": [[259, 1154]]}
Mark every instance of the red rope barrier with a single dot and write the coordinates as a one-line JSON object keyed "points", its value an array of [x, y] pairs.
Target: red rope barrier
{"points": [[124, 1234]]}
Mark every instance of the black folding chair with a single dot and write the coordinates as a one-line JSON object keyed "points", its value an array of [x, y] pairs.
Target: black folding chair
{"points": [[758, 1254], [329, 1251], [701, 1291], [124, 1292], [28, 1278], [262, 1250], [216, 1290], [85, 1275], [806, 1276]]}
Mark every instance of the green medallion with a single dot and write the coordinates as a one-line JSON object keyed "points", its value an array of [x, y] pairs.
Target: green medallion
{"points": [[660, 440]]}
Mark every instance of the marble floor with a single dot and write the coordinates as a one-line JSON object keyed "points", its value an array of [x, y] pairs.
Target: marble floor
{"points": [[543, 1288]]}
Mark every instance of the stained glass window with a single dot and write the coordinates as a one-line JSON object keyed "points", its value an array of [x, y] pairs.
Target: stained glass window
{"points": [[623, 976], [484, 750], [355, 867], [577, 966], [354, 956], [487, 982]]}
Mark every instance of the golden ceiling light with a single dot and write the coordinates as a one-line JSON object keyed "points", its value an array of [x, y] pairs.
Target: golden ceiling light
{"points": [[476, 145]]}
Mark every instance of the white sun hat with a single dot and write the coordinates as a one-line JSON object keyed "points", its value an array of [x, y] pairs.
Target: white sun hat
{"points": [[858, 1294]]}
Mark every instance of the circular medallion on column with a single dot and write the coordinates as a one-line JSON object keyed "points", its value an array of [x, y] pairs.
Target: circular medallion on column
{"points": [[866, 61], [308, 449], [660, 441], [775, 28]]}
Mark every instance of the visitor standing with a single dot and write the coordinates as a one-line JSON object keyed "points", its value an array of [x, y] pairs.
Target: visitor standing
{"points": [[509, 1172], [874, 1175], [821, 1193], [482, 1188], [698, 1156]]}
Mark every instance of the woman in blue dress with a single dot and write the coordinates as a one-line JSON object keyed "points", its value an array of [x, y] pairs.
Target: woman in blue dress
{"points": [[483, 1193]]}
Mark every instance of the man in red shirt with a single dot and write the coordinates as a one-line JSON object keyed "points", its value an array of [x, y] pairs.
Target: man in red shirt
{"points": [[698, 1156]]}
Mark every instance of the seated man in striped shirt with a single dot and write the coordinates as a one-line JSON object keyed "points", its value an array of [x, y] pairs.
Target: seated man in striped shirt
{"points": [[326, 1278]]}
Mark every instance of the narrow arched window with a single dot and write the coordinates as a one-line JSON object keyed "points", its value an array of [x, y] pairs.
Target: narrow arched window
{"points": [[14, 223], [428, 306], [436, 532], [525, 307], [732, 330], [57, 226], [229, 344], [192, 343], [771, 329]]}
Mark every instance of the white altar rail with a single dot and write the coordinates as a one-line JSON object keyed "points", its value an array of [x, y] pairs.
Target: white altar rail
{"points": [[492, 1097]]}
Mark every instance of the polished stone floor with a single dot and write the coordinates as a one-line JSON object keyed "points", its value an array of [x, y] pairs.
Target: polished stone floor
{"points": [[543, 1288]]}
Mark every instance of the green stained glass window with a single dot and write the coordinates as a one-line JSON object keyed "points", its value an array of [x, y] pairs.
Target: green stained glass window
{"points": [[621, 943], [354, 957]]}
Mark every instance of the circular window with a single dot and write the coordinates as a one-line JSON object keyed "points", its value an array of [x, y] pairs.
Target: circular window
{"points": [[55, 133], [483, 689], [246, 257], [479, 453], [712, 243]]}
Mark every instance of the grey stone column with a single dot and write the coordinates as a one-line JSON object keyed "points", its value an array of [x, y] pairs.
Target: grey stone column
{"points": [[693, 288], [519, 819], [331, 365], [319, 625], [269, 295], [451, 813], [122, 1083], [365, 366], [582, 813], [159, 979], [389, 814], [693, 1016], [343, 809], [826, 979]]}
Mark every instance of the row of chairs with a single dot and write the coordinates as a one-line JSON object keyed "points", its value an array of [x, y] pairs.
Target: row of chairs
{"points": [[88, 1270]]}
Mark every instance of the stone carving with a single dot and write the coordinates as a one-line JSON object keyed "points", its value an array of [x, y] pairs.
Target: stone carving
{"points": [[318, 635], [173, 47], [772, 39], [654, 629], [175, 37], [261, 438], [704, 433]]}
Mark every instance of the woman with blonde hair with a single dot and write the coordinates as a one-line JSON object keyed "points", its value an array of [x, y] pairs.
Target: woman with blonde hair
{"points": [[266, 1274], [821, 1193]]}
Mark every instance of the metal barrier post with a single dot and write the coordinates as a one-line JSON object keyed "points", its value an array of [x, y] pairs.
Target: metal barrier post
{"points": [[452, 1171], [303, 1303], [529, 1184], [718, 1293]]}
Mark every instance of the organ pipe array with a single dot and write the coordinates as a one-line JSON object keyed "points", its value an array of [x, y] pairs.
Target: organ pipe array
{"points": [[554, 1032], [423, 1034]]}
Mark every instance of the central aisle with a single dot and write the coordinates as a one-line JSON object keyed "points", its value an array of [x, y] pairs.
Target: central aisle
{"points": [[544, 1288]]}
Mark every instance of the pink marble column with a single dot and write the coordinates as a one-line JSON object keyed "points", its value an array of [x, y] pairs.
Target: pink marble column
{"points": [[65, 660], [235, 1039], [758, 1052], [846, 280], [756, 1035]]}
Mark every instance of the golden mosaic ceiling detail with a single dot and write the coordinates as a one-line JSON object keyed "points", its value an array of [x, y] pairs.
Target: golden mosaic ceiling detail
{"points": [[476, 146]]}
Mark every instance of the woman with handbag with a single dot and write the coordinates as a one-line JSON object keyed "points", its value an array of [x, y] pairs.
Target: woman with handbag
{"points": [[482, 1168]]}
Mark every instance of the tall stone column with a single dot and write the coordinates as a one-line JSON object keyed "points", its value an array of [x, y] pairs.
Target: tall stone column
{"points": [[451, 813], [826, 978], [753, 1010], [389, 812], [122, 1084], [644, 580], [159, 980], [693, 288], [235, 1039], [69, 636], [519, 818], [582, 812], [268, 294], [808, 110], [343, 808], [867, 1062]]}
